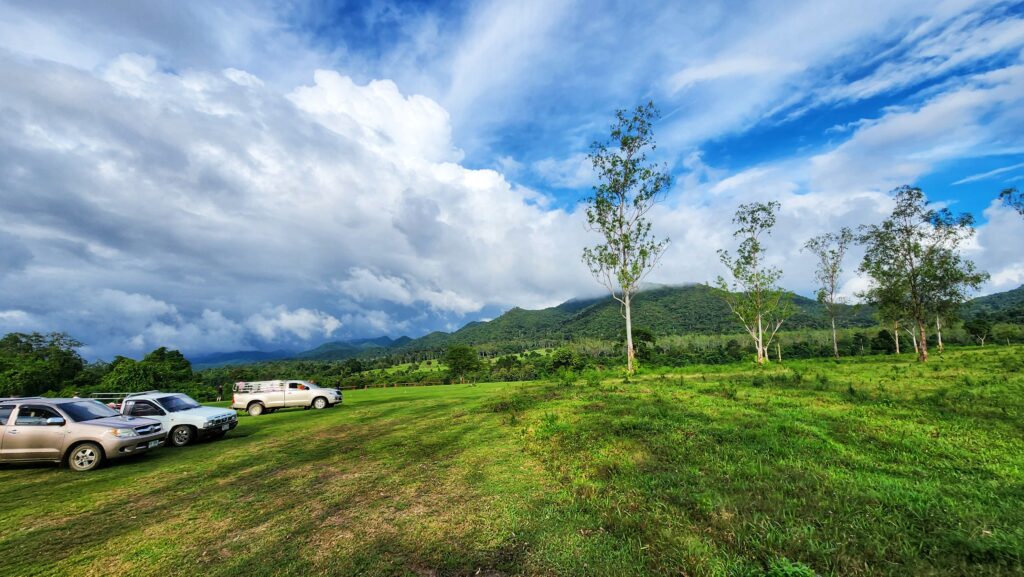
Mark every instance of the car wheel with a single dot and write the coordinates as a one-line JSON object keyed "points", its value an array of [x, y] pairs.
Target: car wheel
{"points": [[255, 410], [85, 457], [181, 436], [319, 403]]}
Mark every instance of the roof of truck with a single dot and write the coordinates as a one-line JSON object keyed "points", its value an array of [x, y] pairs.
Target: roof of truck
{"points": [[47, 400]]}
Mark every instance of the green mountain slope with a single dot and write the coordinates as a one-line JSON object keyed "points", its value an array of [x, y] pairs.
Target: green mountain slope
{"points": [[664, 310], [341, 350], [1000, 307]]}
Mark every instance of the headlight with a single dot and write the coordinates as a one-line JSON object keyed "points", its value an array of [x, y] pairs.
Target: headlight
{"points": [[122, 433], [208, 424]]}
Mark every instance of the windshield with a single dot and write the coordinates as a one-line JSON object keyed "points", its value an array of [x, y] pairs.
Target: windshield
{"points": [[88, 411], [177, 403]]}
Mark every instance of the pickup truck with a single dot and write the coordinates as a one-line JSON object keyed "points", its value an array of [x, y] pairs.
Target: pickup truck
{"points": [[183, 418], [80, 433], [258, 397]]}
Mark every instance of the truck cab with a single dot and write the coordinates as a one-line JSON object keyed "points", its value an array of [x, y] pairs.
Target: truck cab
{"points": [[184, 419]]}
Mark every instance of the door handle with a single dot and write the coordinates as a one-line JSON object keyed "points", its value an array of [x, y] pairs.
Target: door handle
{"points": [[12, 431]]}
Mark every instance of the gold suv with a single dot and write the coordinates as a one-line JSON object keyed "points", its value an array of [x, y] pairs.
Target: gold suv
{"points": [[81, 433]]}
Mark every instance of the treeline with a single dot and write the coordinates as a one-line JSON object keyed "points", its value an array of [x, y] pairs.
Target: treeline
{"points": [[36, 365], [573, 359]]}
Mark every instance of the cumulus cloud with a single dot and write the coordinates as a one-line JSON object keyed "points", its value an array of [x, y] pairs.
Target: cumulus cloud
{"points": [[303, 323], [180, 202]]}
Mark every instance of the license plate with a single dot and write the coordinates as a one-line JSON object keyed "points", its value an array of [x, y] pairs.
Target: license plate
{"points": [[154, 444], [225, 427]]}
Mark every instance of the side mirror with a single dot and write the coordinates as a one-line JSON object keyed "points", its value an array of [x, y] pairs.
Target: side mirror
{"points": [[55, 421]]}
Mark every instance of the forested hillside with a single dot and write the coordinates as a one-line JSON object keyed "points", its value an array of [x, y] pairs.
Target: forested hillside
{"points": [[1007, 307], [689, 309]]}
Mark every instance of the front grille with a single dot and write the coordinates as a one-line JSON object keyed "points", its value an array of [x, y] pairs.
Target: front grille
{"points": [[148, 429], [223, 420]]}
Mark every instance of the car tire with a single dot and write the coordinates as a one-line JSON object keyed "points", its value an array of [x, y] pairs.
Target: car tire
{"points": [[85, 457], [255, 410], [319, 403], [181, 435]]}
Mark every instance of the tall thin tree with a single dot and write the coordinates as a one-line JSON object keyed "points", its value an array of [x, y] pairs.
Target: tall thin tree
{"points": [[628, 187], [830, 248], [754, 295]]}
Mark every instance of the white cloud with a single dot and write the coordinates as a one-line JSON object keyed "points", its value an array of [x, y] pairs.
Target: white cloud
{"points": [[731, 67], [179, 202], [989, 174], [303, 323], [575, 171]]}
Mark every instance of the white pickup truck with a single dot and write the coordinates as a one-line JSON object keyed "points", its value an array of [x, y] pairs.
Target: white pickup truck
{"points": [[183, 418], [258, 397]]}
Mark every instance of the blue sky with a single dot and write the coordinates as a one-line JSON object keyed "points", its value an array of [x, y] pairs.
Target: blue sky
{"points": [[270, 175]]}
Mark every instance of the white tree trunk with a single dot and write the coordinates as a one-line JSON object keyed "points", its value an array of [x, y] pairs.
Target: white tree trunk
{"points": [[835, 339], [896, 335], [938, 332], [762, 354], [630, 353]]}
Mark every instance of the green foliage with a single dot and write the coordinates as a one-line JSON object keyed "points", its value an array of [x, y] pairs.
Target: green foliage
{"points": [[567, 359], [32, 364], [914, 264], [168, 368], [461, 361], [128, 375], [830, 248], [979, 327], [754, 296], [783, 567], [628, 187], [1012, 198]]}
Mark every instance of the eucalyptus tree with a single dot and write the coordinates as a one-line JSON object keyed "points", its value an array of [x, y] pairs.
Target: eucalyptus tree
{"points": [[830, 248], [754, 295], [628, 188], [914, 264], [1013, 198]]}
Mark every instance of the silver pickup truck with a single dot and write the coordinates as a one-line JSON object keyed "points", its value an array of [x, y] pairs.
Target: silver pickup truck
{"points": [[258, 397]]}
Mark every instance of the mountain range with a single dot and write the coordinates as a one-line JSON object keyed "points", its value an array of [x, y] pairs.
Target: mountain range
{"points": [[662, 310]]}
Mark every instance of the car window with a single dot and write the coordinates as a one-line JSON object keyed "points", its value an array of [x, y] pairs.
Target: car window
{"points": [[144, 409], [175, 403], [5, 413], [29, 416], [80, 411], [293, 385]]}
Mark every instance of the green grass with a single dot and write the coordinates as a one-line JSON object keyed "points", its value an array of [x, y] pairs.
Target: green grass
{"points": [[869, 466]]}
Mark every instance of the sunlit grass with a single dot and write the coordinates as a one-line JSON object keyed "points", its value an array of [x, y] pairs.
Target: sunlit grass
{"points": [[869, 466]]}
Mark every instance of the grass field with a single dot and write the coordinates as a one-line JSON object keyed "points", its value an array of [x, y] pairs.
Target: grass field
{"points": [[870, 466]]}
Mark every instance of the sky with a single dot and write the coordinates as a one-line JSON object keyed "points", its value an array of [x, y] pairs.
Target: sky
{"points": [[273, 175]]}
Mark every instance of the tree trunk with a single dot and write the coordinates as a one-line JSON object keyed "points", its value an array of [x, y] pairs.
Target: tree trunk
{"points": [[835, 339], [896, 335], [778, 351], [922, 352], [762, 354], [938, 332], [630, 353], [913, 339]]}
